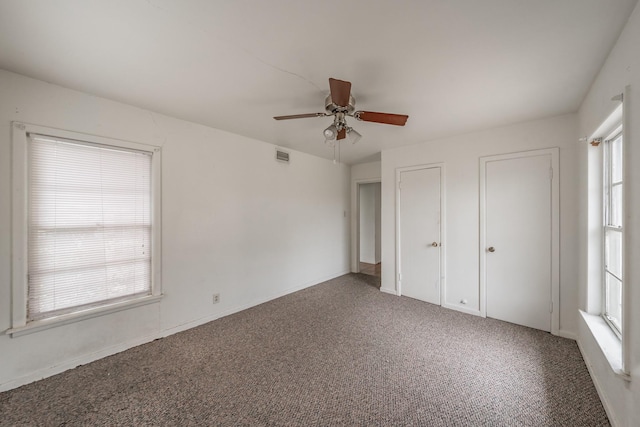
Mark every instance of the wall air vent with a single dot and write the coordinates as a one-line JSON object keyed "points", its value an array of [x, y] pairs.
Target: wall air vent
{"points": [[282, 156]]}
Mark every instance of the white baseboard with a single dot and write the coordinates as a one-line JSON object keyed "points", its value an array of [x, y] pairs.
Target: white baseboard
{"points": [[462, 309], [603, 398], [389, 291], [75, 362], [108, 351], [567, 334], [240, 307]]}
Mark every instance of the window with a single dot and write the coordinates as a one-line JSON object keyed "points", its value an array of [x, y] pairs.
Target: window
{"points": [[89, 240], [607, 306], [613, 230]]}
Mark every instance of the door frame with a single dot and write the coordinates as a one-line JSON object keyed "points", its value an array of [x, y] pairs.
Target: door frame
{"points": [[554, 152], [355, 265], [443, 228]]}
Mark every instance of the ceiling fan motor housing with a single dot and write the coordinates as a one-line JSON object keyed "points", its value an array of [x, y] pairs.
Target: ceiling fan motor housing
{"points": [[332, 108]]}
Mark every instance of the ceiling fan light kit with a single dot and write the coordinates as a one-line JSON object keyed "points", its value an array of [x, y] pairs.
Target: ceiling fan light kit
{"points": [[353, 135], [340, 104], [331, 132]]}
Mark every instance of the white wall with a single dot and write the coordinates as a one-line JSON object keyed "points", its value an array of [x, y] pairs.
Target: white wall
{"points": [[378, 221], [367, 223], [370, 208], [360, 174], [235, 222], [461, 155], [622, 68]]}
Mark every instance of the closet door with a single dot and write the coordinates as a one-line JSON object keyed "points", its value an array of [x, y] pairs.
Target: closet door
{"points": [[518, 240], [419, 234]]}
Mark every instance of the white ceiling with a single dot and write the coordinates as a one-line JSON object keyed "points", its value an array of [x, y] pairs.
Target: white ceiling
{"points": [[453, 66]]}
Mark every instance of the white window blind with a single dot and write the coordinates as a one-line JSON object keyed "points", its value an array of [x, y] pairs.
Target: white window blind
{"points": [[89, 225]]}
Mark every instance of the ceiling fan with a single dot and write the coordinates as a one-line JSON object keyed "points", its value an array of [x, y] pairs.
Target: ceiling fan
{"points": [[340, 104]]}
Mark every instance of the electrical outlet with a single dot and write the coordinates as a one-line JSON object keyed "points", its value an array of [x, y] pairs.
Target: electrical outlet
{"points": [[216, 298]]}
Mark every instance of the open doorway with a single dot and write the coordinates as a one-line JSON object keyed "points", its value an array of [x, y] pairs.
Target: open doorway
{"points": [[369, 232]]}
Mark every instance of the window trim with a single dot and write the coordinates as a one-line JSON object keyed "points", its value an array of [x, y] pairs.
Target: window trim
{"points": [[19, 322], [608, 185]]}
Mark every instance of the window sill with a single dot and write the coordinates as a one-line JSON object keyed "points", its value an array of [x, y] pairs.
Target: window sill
{"points": [[607, 340], [41, 325]]}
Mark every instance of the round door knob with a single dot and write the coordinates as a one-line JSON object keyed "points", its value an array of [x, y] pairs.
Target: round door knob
{"points": [[435, 244], [491, 249]]}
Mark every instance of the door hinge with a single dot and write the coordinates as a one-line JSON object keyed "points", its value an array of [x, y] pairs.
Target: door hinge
{"points": [[399, 277], [551, 174], [551, 307], [399, 185]]}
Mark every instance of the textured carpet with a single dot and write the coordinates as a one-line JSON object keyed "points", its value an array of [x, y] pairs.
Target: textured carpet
{"points": [[339, 353]]}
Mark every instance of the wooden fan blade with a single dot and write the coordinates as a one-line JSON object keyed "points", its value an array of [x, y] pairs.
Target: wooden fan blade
{"points": [[340, 92], [342, 134], [299, 116], [385, 118]]}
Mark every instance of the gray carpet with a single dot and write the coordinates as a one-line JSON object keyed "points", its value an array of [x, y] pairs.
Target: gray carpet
{"points": [[339, 353]]}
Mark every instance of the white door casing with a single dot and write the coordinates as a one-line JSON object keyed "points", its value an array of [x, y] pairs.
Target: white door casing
{"points": [[419, 233], [519, 238]]}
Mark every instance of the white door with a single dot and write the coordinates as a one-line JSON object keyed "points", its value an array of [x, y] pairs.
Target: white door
{"points": [[419, 224], [518, 239]]}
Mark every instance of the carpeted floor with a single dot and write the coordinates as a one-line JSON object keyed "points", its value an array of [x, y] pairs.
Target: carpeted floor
{"points": [[339, 353]]}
